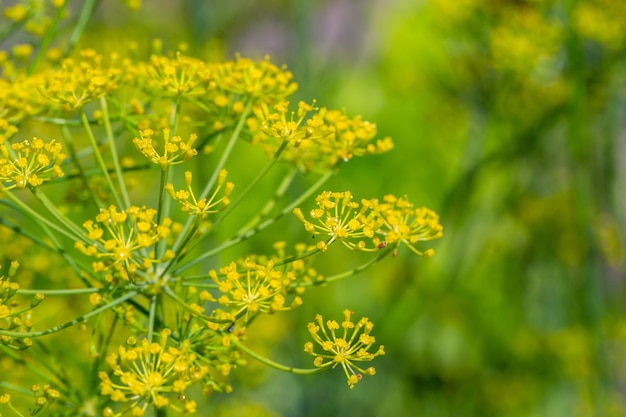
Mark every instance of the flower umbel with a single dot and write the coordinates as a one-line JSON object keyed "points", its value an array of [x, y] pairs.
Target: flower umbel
{"points": [[175, 150], [403, 223], [259, 288], [202, 207], [30, 163], [122, 239], [146, 373], [352, 346]]}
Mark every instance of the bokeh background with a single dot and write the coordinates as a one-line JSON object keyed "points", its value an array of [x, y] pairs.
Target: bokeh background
{"points": [[509, 120]]}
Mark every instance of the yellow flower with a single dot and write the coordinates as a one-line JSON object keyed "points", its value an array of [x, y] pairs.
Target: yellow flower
{"points": [[30, 163], [204, 206], [343, 348], [148, 373], [175, 150], [257, 289], [78, 82], [319, 141], [121, 239]]}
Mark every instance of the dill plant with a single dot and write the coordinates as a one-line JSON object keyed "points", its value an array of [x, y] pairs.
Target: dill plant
{"points": [[115, 175]]}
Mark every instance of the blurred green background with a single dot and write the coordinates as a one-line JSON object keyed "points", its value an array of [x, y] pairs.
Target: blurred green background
{"points": [[508, 118]]}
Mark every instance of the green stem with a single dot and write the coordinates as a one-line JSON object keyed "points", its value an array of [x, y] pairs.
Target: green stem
{"points": [[100, 355], [70, 323], [209, 186], [81, 24], [152, 317], [168, 291], [82, 174], [38, 218], [98, 156], [45, 42], [252, 183], [69, 291], [346, 274], [276, 365], [52, 209], [246, 234], [114, 157], [45, 225]]}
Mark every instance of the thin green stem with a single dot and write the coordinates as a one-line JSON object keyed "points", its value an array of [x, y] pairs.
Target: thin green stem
{"points": [[351, 272], [152, 317], [210, 184], [54, 211], [168, 291], [69, 144], [100, 355], [47, 39], [19, 230], [70, 323], [252, 183], [246, 234], [45, 225], [276, 365], [81, 24], [69, 291], [114, 157], [98, 156], [38, 218]]}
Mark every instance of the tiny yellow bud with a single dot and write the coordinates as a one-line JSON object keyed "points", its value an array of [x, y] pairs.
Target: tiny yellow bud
{"points": [[95, 298]]}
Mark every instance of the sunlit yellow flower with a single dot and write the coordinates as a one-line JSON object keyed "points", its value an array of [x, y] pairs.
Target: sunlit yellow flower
{"points": [[256, 289], [122, 239], [151, 374], [319, 141], [337, 218], [175, 150], [79, 81], [30, 163], [204, 206], [403, 223], [345, 347]]}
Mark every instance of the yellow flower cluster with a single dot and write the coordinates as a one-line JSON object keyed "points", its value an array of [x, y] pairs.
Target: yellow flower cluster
{"points": [[36, 15], [148, 373], [202, 207], [350, 346], [78, 81], [6, 130], [44, 395], [175, 150], [390, 222], [13, 316], [122, 240], [257, 289], [30, 163], [320, 141]]}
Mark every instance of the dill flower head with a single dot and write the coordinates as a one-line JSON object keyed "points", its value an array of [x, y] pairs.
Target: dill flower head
{"points": [[337, 216], [405, 224], [391, 222], [79, 81], [331, 137], [250, 288], [262, 80], [204, 206], [148, 373], [179, 76], [122, 239], [30, 163], [175, 150], [343, 347]]}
